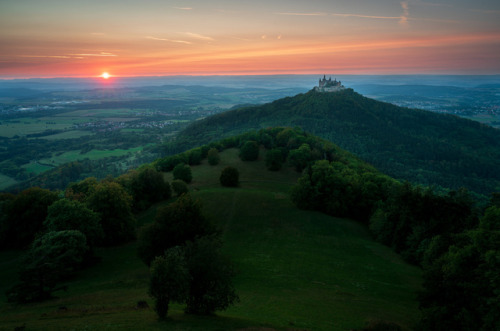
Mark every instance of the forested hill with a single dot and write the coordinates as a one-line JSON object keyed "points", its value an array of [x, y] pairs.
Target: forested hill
{"points": [[415, 145]]}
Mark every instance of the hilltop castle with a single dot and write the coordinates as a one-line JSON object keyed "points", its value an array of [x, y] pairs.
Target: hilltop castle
{"points": [[327, 85]]}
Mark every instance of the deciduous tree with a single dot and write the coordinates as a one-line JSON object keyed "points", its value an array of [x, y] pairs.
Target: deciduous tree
{"points": [[249, 151], [51, 258], [183, 172], [113, 203], [211, 286], [24, 216], [73, 215], [169, 280]]}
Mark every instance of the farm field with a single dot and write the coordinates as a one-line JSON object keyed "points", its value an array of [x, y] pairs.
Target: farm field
{"points": [[106, 124], [297, 270]]}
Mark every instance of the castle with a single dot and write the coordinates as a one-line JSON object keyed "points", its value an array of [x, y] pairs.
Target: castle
{"points": [[329, 85]]}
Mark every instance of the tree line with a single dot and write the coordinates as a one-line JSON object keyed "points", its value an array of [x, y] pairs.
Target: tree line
{"points": [[408, 144], [59, 232]]}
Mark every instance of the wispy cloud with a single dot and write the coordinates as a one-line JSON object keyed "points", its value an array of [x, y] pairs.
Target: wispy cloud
{"points": [[342, 15], [367, 16], [183, 8], [199, 36], [169, 40], [304, 14], [48, 56], [406, 13], [486, 11], [101, 54]]}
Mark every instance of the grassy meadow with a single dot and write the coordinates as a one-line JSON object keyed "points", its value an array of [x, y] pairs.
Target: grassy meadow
{"points": [[297, 270]]}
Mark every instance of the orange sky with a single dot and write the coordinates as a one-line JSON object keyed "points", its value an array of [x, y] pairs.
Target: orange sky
{"points": [[69, 38]]}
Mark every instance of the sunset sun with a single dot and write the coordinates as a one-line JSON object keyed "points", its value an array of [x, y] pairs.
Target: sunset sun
{"points": [[105, 75]]}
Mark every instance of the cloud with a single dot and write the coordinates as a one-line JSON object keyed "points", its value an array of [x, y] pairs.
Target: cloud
{"points": [[341, 15], [367, 16], [102, 54], [406, 12], [183, 8], [199, 36], [49, 56], [303, 14], [170, 40]]}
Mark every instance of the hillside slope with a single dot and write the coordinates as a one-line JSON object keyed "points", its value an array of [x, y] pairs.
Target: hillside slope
{"points": [[415, 145], [297, 270]]}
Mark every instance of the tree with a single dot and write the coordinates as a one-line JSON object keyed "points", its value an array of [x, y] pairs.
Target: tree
{"points": [[24, 216], [183, 172], [81, 190], [249, 151], [146, 186], [51, 258], [174, 224], [169, 280], [211, 287], [300, 157], [73, 215], [213, 156], [113, 203], [229, 177], [179, 187], [274, 159], [195, 157], [462, 286]]}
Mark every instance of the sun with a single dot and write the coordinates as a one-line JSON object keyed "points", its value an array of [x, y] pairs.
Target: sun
{"points": [[105, 75]]}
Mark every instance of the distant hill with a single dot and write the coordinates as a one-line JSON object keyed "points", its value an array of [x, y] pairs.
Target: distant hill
{"points": [[409, 144]]}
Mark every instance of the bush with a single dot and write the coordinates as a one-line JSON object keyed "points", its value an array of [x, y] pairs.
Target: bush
{"points": [[195, 157], [230, 177], [249, 151], [213, 156], [274, 159], [179, 187], [183, 172]]}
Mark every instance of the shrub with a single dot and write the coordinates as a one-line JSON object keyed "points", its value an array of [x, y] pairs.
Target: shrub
{"points": [[229, 177], [179, 187], [249, 151], [274, 159], [213, 156], [183, 172]]}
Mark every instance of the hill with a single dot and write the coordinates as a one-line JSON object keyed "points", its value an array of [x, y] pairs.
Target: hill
{"points": [[415, 145], [297, 269]]}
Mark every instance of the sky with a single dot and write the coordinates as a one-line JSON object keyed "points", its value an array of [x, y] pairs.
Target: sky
{"points": [[84, 38]]}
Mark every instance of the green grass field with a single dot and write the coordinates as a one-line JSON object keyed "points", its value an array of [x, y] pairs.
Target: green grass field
{"points": [[297, 270], [28, 125], [68, 135], [36, 168], [71, 156], [6, 181]]}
